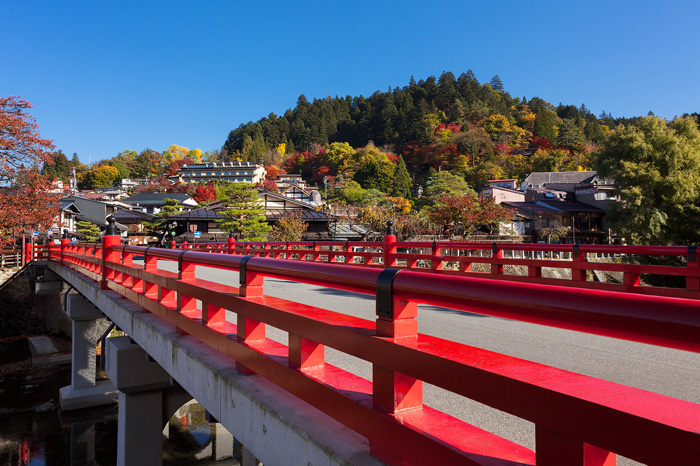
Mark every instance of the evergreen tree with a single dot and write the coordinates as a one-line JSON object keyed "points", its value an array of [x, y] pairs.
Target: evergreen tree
{"points": [[89, 230], [159, 225], [244, 212], [570, 135], [61, 167], [402, 180], [543, 126], [496, 84]]}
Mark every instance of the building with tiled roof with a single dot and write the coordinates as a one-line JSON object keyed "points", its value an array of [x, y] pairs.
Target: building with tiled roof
{"points": [[277, 206], [152, 203], [546, 208]]}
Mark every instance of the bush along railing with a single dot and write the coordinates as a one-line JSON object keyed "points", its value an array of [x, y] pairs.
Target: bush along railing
{"points": [[603, 267], [579, 420]]}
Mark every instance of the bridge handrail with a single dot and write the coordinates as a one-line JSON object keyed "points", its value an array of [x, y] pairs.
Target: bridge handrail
{"points": [[394, 345], [500, 260]]}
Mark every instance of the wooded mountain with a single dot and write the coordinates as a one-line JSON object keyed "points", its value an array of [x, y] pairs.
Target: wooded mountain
{"points": [[447, 110]]}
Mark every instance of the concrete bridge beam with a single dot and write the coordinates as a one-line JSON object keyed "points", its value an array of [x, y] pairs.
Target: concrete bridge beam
{"points": [[85, 390]]}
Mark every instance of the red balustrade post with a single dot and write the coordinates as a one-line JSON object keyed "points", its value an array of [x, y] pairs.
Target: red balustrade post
{"points": [[249, 330], [109, 240], [580, 257], [184, 304], [393, 391], [150, 289], [304, 353], [231, 243], [692, 282], [389, 253], [496, 253], [316, 255], [128, 261], [435, 262], [396, 319], [554, 449], [65, 242], [30, 252]]}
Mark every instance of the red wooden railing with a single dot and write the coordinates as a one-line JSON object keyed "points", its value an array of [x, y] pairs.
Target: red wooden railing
{"points": [[579, 419], [500, 260]]}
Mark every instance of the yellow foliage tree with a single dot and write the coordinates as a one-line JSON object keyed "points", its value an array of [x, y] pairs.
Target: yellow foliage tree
{"points": [[400, 205], [501, 130], [175, 152]]}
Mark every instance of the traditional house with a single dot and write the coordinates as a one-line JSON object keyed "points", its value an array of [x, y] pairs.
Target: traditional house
{"points": [[277, 206], [152, 203], [503, 191], [551, 210], [135, 232]]}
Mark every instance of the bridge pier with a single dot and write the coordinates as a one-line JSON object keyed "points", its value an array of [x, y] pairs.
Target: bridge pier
{"points": [[147, 399], [85, 390]]}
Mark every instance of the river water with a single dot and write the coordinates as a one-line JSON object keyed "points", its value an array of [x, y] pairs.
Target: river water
{"points": [[89, 436]]}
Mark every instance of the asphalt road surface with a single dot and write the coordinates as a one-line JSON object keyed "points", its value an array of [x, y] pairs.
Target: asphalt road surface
{"points": [[669, 372]]}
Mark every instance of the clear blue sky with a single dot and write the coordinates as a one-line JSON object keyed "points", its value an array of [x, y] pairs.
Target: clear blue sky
{"points": [[106, 76]]}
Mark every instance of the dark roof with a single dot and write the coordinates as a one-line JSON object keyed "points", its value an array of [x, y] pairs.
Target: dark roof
{"points": [[69, 205], [211, 212], [530, 207], [202, 213], [346, 230], [306, 214], [124, 215], [150, 198], [569, 206], [543, 178]]}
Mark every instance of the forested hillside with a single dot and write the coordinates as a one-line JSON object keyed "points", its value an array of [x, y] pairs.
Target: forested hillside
{"points": [[476, 130]]}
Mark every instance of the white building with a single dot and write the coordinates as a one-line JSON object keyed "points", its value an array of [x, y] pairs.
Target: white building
{"points": [[249, 172]]}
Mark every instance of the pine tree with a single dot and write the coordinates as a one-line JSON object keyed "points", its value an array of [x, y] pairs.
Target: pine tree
{"points": [[543, 126], [244, 213], [402, 181], [159, 224], [89, 230]]}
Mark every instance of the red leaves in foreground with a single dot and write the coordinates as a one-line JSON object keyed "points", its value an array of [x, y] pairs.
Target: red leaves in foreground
{"points": [[25, 201]]}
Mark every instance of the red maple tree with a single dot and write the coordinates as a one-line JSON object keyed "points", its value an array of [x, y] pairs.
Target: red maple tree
{"points": [[469, 212], [205, 193], [25, 198]]}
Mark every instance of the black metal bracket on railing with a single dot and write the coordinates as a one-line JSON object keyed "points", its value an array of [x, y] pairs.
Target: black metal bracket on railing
{"points": [[179, 260], [494, 249], [145, 256], [241, 269], [103, 338], [385, 298], [576, 251], [692, 254]]}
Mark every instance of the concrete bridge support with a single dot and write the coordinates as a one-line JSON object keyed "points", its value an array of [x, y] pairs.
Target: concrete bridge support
{"points": [[147, 399], [85, 390]]}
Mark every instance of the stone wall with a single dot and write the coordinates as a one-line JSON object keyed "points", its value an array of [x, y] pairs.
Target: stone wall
{"points": [[26, 312]]}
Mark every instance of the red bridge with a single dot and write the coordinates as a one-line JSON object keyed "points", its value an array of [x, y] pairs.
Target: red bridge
{"points": [[579, 420]]}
